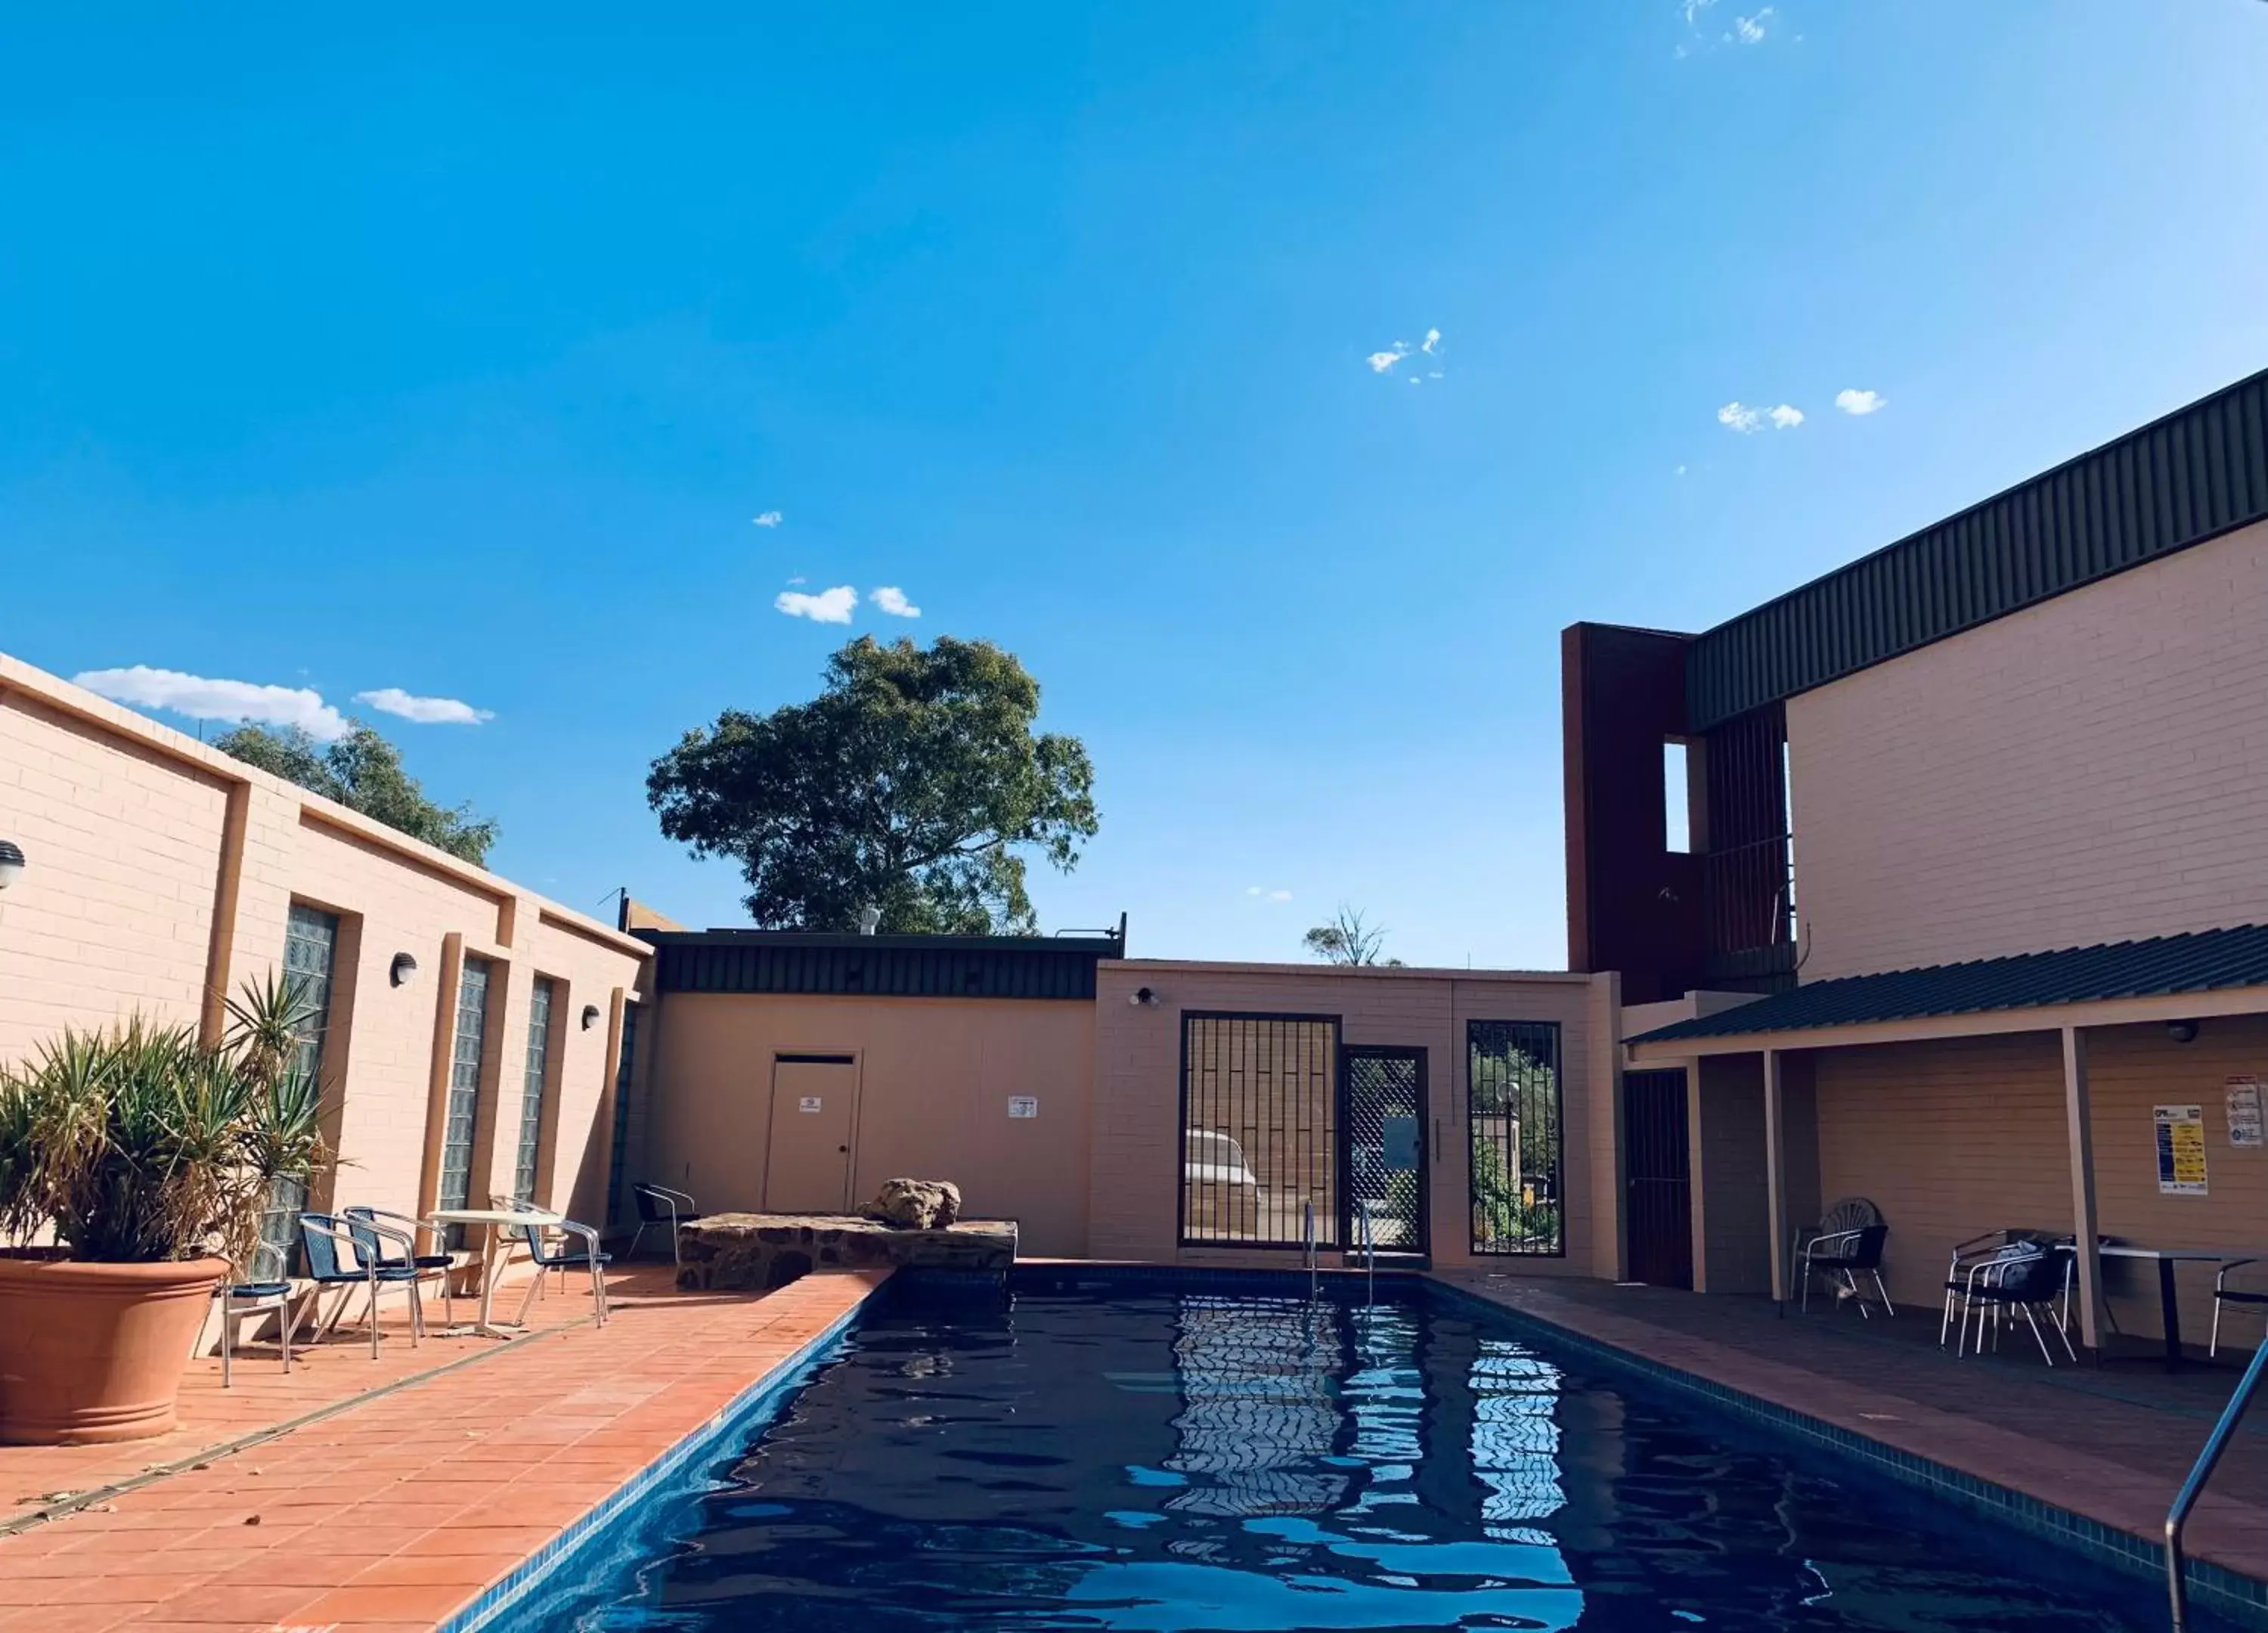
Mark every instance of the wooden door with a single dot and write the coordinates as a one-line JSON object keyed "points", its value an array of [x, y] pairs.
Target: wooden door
{"points": [[814, 1112]]}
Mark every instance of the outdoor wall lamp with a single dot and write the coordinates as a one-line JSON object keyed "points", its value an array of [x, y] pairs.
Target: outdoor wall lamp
{"points": [[590, 1016], [1142, 997], [2181, 1030], [404, 970], [12, 863]]}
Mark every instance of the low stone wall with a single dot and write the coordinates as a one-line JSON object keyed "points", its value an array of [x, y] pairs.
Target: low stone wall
{"points": [[750, 1252]]}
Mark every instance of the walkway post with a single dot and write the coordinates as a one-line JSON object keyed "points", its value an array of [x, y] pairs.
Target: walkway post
{"points": [[2087, 1263], [1776, 1170]]}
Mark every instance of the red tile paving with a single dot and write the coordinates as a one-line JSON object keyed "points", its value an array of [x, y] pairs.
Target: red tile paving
{"points": [[2111, 1444], [393, 1513]]}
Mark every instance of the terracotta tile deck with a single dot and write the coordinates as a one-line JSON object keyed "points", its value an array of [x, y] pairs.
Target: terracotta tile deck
{"points": [[392, 1514], [2110, 1443]]}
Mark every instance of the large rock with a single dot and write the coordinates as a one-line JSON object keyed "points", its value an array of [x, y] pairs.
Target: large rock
{"points": [[750, 1252], [915, 1205]]}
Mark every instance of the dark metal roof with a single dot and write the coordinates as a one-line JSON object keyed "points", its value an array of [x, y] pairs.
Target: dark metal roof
{"points": [[808, 963], [2206, 960], [2184, 479]]}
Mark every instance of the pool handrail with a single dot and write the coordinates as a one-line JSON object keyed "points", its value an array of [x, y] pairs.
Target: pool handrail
{"points": [[2177, 1518]]}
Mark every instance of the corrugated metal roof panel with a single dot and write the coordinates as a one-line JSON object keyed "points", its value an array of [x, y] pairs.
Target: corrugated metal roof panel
{"points": [[907, 966], [2187, 478], [2207, 960]]}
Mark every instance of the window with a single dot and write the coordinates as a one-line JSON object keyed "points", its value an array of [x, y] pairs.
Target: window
{"points": [[1512, 1127], [530, 1096], [310, 947], [622, 1136], [463, 1118], [1259, 1129], [1676, 798]]}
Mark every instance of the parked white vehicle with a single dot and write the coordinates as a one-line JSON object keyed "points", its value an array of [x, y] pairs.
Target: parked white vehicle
{"points": [[1210, 1159]]}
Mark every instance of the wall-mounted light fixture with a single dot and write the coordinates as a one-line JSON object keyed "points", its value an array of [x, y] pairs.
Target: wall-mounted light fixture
{"points": [[2181, 1030], [12, 863], [1142, 997], [404, 970], [870, 920], [590, 1016]]}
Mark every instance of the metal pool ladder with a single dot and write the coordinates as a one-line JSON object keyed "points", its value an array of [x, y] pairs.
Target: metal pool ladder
{"points": [[2177, 1518]]}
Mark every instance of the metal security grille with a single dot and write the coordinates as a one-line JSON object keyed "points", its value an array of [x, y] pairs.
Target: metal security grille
{"points": [[1657, 1178], [1512, 1125], [463, 1118], [537, 1074], [311, 945], [1259, 1129], [619, 1148], [1384, 1175]]}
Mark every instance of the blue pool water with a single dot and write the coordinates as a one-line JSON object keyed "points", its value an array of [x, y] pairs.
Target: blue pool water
{"points": [[1187, 1462]]}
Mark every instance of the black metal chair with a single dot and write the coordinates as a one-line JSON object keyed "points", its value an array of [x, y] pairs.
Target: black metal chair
{"points": [[2224, 1293], [436, 1262], [2023, 1278], [658, 1204], [1846, 1244]]}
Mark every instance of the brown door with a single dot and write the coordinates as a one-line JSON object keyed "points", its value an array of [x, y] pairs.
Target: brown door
{"points": [[815, 1107]]}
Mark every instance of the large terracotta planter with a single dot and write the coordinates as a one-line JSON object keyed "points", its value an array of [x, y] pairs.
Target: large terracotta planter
{"points": [[92, 1353]]}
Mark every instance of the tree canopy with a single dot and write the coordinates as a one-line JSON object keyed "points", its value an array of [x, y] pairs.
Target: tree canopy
{"points": [[1348, 937], [911, 783], [362, 770]]}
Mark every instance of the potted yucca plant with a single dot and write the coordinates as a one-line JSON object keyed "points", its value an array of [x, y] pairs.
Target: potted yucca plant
{"points": [[136, 1165]]}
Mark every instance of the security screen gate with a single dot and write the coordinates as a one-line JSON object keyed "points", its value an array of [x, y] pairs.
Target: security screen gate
{"points": [[1655, 1157], [1382, 1149]]}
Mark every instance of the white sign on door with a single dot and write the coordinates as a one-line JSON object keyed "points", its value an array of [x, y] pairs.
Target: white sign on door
{"points": [[1023, 1105], [809, 1102]]}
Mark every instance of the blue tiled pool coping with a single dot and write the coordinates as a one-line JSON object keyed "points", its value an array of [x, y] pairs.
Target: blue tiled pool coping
{"points": [[730, 1424]]}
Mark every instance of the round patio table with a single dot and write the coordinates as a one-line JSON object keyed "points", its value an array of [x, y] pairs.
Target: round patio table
{"points": [[496, 1222]]}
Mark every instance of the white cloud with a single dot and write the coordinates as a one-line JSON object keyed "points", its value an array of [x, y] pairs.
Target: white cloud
{"points": [[1785, 418], [1433, 346], [425, 710], [892, 600], [1860, 401], [1259, 895], [1383, 362], [829, 606], [1734, 416], [1681, 470], [1750, 30], [203, 699], [1693, 10], [769, 519], [799, 578]]}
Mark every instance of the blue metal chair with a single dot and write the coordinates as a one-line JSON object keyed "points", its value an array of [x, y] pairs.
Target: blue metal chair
{"points": [[348, 1256], [440, 1260], [563, 1258], [248, 1297]]}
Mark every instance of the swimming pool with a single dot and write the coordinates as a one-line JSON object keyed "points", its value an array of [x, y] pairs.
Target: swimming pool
{"points": [[1228, 1461]]}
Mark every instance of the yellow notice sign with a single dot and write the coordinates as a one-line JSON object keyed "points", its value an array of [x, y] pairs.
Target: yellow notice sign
{"points": [[2181, 1150]]}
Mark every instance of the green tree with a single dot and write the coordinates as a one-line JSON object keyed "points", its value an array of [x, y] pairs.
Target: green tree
{"points": [[1348, 937], [362, 770], [908, 784]]}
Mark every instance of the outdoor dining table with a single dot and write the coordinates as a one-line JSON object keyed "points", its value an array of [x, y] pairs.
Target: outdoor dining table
{"points": [[2170, 1309], [496, 1222]]}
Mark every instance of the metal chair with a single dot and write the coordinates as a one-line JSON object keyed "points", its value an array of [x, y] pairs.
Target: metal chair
{"points": [[1845, 1255], [441, 1260], [249, 1298], [658, 1204], [562, 1259], [323, 1237], [2224, 1293], [1851, 1213], [2023, 1278]]}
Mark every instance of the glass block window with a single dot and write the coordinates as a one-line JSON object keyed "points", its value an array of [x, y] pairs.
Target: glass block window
{"points": [[463, 1119], [531, 1094], [1513, 1136], [310, 947], [622, 1133]]}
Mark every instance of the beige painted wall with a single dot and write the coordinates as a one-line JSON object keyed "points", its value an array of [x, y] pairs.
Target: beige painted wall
{"points": [[2093, 769], [1138, 1137], [160, 875], [1952, 1139], [934, 1080]]}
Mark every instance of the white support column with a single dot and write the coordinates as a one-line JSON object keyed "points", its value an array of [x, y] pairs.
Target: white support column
{"points": [[2080, 1129], [1775, 1172]]}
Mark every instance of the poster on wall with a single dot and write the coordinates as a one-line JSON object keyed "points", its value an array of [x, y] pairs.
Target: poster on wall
{"points": [[2245, 1128], [2181, 1150]]}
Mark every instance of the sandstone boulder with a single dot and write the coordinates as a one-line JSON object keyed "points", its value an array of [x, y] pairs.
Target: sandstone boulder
{"points": [[915, 1205], [750, 1252]]}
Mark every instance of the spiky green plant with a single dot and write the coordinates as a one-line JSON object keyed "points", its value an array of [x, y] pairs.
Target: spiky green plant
{"points": [[137, 1143]]}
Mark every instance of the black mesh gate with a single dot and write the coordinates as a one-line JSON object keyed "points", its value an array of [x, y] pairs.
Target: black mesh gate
{"points": [[1382, 1149]]}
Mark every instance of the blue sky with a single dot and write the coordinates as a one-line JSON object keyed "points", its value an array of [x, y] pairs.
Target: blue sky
{"points": [[458, 356]]}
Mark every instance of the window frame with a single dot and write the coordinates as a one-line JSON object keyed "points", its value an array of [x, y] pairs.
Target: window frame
{"points": [[1518, 1249], [1327, 1210]]}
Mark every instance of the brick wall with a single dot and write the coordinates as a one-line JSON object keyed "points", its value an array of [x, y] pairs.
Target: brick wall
{"points": [[2091, 768]]}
